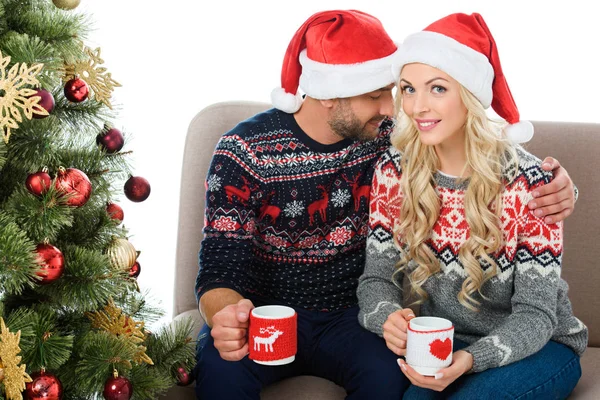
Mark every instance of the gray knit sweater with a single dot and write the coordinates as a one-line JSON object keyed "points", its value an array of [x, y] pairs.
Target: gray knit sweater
{"points": [[526, 303]]}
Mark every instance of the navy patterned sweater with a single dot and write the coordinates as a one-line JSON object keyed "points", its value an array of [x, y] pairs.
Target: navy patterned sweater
{"points": [[286, 217]]}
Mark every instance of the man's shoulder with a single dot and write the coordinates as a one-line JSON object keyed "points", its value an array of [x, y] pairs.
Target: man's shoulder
{"points": [[257, 124]]}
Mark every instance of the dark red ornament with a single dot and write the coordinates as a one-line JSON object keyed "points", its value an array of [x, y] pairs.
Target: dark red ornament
{"points": [[43, 386], [135, 270], [39, 182], [137, 189], [183, 377], [76, 90], [75, 184], [51, 261], [110, 139], [117, 388], [115, 212], [46, 102]]}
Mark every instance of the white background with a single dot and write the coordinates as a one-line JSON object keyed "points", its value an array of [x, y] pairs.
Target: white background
{"points": [[176, 57]]}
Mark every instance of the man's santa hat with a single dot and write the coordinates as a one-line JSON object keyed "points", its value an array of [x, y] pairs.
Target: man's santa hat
{"points": [[462, 46], [336, 54]]}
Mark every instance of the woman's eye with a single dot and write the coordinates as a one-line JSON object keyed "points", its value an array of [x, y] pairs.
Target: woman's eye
{"points": [[407, 89], [438, 89]]}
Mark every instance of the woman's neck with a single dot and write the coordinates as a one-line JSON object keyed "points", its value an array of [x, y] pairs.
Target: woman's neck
{"points": [[453, 159]]}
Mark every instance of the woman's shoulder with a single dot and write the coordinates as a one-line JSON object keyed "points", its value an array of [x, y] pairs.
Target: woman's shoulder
{"points": [[527, 169], [390, 157]]}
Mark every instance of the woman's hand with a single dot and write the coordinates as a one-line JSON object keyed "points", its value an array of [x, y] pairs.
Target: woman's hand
{"points": [[394, 330], [461, 363]]}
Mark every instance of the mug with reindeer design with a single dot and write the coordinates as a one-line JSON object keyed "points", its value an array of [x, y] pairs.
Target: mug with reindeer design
{"points": [[429, 344], [272, 335]]}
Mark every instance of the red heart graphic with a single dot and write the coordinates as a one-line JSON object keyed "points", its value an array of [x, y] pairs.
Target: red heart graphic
{"points": [[441, 349]]}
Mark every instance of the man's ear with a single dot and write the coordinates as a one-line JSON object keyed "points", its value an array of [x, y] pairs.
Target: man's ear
{"points": [[328, 103]]}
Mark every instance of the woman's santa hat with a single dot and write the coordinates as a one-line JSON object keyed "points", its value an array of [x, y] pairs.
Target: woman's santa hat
{"points": [[336, 54], [462, 46]]}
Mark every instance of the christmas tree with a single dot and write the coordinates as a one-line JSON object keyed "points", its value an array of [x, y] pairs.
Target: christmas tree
{"points": [[72, 318]]}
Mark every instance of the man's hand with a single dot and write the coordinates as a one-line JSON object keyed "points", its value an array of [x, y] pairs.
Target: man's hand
{"points": [[394, 330], [556, 200], [462, 362], [230, 330]]}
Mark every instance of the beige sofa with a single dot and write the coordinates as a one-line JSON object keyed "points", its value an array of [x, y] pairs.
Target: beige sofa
{"points": [[575, 145]]}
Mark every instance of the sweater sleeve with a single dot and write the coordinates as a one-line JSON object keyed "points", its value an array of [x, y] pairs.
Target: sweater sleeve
{"points": [[232, 185], [378, 295], [537, 267]]}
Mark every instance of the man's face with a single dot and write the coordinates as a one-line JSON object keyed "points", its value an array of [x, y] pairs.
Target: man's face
{"points": [[359, 117]]}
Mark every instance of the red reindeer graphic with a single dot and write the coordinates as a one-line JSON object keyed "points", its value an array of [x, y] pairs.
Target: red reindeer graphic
{"points": [[358, 192], [268, 209], [243, 194], [319, 206]]}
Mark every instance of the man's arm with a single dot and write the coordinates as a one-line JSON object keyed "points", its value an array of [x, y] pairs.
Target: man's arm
{"points": [[556, 200], [216, 300]]}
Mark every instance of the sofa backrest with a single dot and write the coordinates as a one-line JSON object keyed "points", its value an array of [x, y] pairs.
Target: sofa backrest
{"points": [[573, 144]]}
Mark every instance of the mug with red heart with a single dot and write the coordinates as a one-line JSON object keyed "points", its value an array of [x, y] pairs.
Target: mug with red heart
{"points": [[429, 344], [272, 335]]}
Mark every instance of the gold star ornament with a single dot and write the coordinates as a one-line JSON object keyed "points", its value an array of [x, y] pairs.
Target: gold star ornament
{"points": [[17, 94], [113, 320], [14, 374], [100, 81]]}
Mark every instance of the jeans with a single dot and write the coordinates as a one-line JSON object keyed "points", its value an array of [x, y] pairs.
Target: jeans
{"points": [[551, 373], [331, 345]]}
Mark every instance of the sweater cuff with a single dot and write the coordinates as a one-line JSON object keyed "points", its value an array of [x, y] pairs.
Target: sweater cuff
{"points": [[375, 319], [485, 356]]}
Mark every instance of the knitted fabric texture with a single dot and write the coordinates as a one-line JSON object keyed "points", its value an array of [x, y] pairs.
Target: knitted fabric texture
{"points": [[526, 303], [272, 339], [286, 217]]}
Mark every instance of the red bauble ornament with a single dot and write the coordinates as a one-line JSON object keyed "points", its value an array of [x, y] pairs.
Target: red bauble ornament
{"points": [[51, 261], [76, 90], [137, 189], [38, 183], [135, 270], [46, 102], [115, 212], [117, 388], [43, 386], [110, 139], [183, 377], [75, 184]]}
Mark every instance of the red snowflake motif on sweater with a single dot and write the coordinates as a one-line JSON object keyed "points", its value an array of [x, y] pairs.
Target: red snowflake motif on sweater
{"points": [[308, 242], [340, 235], [276, 241], [225, 224]]}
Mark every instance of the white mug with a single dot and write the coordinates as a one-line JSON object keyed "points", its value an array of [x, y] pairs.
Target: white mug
{"points": [[429, 344]]}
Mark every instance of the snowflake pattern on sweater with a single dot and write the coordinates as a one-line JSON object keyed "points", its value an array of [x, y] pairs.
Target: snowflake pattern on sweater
{"points": [[286, 217], [526, 303]]}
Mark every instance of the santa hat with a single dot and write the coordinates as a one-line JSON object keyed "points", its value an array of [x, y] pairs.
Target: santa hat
{"points": [[336, 54], [462, 46]]}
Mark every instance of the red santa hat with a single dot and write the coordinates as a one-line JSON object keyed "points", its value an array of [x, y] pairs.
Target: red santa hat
{"points": [[462, 46], [336, 54]]}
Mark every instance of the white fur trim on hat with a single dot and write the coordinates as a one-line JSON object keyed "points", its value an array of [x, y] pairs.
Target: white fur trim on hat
{"points": [[469, 67], [331, 81], [286, 102], [521, 132]]}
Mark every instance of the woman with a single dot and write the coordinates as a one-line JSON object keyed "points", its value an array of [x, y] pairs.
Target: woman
{"points": [[448, 211]]}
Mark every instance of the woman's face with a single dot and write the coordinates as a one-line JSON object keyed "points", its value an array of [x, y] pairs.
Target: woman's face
{"points": [[431, 98]]}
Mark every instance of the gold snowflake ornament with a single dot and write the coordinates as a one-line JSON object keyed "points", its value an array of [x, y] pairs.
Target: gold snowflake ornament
{"points": [[15, 376], [101, 82], [113, 320], [16, 94]]}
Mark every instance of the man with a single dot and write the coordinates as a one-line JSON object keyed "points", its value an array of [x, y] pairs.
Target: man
{"points": [[287, 213]]}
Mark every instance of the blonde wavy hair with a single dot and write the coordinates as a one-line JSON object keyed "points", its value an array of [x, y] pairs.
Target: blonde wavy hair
{"points": [[489, 155]]}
